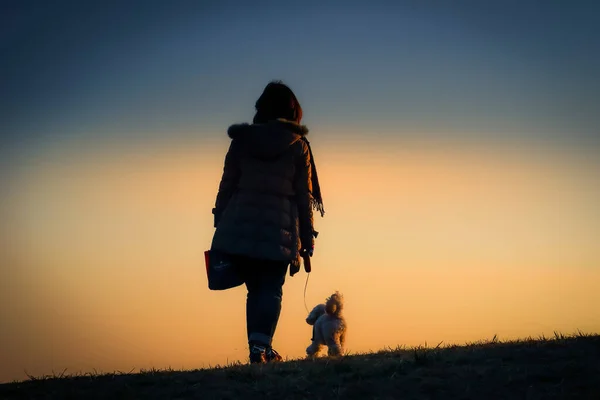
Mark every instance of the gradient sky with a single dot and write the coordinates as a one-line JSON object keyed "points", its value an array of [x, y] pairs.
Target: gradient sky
{"points": [[507, 67], [457, 144]]}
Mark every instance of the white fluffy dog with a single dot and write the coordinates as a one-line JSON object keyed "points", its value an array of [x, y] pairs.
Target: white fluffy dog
{"points": [[329, 326]]}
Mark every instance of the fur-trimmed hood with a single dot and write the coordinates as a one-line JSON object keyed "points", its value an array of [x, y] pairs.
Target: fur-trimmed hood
{"points": [[269, 139]]}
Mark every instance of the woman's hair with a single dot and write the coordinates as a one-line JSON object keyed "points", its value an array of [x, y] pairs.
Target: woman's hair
{"points": [[277, 101]]}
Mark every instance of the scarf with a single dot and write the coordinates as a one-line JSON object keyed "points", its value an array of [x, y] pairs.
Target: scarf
{"points": [[316, 203], [316, 199]]}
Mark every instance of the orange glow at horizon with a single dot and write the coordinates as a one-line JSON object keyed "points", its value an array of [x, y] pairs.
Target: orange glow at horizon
{"points": [[104, 254]]}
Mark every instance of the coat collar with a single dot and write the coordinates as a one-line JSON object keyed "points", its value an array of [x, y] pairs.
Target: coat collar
{"points": [[237, 129]]}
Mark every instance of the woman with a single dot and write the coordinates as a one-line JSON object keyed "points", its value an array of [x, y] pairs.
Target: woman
{"points": [[264, 208]]}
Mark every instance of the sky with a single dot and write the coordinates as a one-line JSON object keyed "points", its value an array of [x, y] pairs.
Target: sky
{"points": [[457, 146]]}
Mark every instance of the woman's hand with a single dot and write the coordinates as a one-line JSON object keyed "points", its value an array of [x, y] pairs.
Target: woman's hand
{"points": [[307, 252], [306, 255]]}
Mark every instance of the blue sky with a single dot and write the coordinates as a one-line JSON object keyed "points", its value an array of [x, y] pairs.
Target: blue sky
{"points": [[119, 70]]}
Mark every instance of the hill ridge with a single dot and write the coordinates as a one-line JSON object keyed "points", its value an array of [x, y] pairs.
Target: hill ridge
{"points": [[559, 367]]}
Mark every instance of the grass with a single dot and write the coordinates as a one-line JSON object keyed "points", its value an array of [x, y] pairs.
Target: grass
{"points": [[561, 367]]}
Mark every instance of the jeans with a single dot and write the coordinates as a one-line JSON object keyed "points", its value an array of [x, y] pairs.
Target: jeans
{"points": [[264, 280]]}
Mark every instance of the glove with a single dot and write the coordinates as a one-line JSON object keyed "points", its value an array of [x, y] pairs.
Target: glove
{"points": [[305, 252], [306, 255]]}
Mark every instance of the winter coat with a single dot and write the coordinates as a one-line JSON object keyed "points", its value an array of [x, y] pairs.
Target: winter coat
{"points": [[263, 207]]}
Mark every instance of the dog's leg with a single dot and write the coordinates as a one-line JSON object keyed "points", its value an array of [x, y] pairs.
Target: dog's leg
{"points": [[334, 348], [313, 349]]}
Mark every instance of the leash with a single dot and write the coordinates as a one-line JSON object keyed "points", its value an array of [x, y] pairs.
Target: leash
{"points": [[305, 285], [307, 268]]}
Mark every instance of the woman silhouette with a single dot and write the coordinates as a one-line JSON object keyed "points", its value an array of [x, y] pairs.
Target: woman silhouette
{"points": [[264, 208]]}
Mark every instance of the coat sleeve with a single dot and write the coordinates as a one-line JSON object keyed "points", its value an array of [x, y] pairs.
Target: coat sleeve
{"points": [[303, 189], [229, 181]]}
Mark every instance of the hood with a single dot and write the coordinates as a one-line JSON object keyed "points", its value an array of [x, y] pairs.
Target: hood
{"points": [[269, 139]]}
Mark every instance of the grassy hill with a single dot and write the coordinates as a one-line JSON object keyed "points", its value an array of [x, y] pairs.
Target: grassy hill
{"points": [[558, 368]]}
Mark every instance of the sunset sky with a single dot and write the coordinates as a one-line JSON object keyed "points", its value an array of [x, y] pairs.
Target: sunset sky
{"points": [[457, 145]]}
